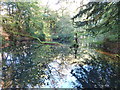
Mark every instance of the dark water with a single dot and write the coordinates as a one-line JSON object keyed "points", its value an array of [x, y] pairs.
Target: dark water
{"points": [[44, 66]]}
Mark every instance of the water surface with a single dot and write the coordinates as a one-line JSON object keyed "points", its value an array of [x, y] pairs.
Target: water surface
{"points": [[45, 66]]}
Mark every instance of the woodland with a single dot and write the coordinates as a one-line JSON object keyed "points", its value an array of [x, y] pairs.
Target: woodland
{"points": [[32, 36]]}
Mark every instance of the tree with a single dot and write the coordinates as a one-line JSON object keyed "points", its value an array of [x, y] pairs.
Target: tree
{"points": [[99, 18], [24, 20], [59, 28]]}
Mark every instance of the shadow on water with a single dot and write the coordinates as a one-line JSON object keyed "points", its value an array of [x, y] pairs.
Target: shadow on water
{"points": [[23, 65], [27, 66], [97, 73], [19, 68], [88, 71]]}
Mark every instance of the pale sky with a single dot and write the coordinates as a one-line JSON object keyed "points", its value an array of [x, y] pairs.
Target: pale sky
{"points": [[72, 5]]}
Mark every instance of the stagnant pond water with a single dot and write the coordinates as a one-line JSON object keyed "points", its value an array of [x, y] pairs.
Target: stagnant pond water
{"points": [[45, 66]]}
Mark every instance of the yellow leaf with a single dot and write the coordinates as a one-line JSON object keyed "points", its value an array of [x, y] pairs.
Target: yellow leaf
{"points": [[36, 32]]}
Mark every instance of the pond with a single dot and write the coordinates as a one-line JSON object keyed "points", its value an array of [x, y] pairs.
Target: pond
{"points": [[45, 66]]}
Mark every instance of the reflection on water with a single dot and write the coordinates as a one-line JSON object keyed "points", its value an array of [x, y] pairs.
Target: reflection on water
{"points": [[28, 66], [81, 73], [59, 75]]}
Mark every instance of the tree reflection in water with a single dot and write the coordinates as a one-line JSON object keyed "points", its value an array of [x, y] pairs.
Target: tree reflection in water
{"points": [[96, 74], [89, 71], [26, 66], [19, 67]]}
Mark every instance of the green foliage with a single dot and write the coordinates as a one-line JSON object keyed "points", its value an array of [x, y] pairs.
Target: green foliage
{"points": [[99, 18], [64, 30], [29, 19], [23, 17], [21, 66]]}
